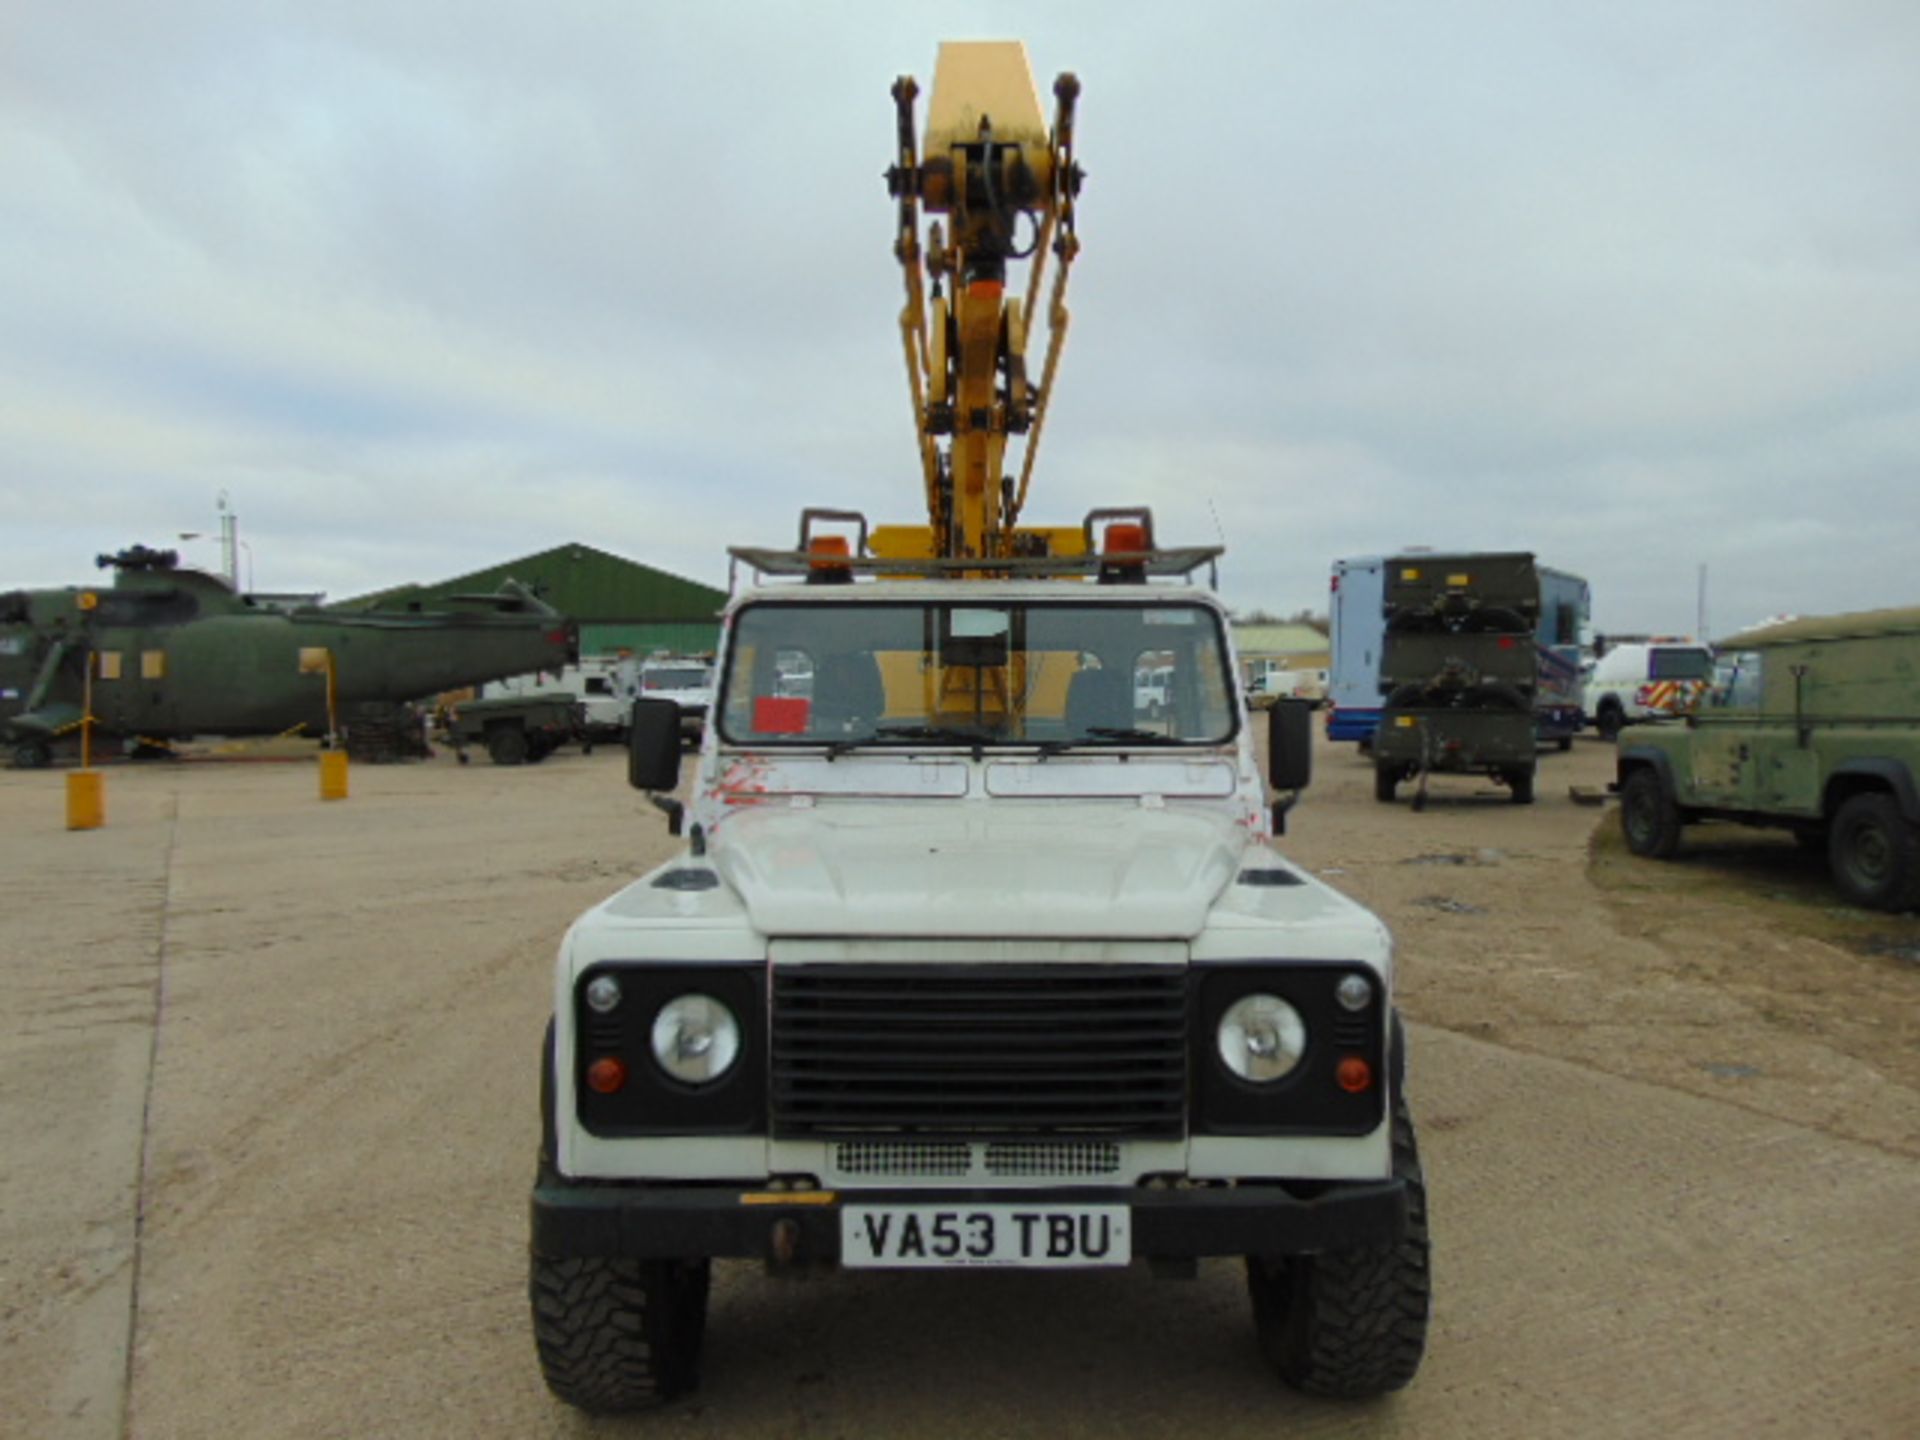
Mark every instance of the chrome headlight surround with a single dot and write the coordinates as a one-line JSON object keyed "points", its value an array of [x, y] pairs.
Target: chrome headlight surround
{"points": [[1260, 1038], [695, 1039]]}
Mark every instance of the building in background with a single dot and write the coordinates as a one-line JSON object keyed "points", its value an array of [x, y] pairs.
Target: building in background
{"points": [[1282, 658], [619, 604]]}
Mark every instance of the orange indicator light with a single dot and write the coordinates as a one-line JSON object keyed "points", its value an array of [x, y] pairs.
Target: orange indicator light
{"points": [[1354, 1074], [606, 1075]]}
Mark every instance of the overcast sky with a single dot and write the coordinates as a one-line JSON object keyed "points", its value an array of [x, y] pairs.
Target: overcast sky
{"points": [[425, 286]]}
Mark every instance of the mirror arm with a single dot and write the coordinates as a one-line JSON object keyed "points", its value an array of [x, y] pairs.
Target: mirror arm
{"points": [[675, 812], [1277, 809]]}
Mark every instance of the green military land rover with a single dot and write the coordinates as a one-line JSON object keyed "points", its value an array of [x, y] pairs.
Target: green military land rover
{"points": [[1811, 725]]}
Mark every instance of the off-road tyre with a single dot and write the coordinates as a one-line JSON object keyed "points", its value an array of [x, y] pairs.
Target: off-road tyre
{"points": [[1520, 784], [1874, 852], [619, 1335], [1494, 695], [1415, 622], [507, 745], [1406, 697], [1351, 1323], [1649, 819], [1495, 620], [1386, 780], [1610, 720]]}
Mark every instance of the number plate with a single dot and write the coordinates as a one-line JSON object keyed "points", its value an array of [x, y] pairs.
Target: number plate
{"points": [[911, 1237]]}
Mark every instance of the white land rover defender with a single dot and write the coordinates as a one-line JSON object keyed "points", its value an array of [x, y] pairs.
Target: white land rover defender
{"points": [[968, 962]]}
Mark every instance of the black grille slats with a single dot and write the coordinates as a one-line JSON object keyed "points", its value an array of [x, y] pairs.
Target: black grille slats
{"points": [[979, 1049]]}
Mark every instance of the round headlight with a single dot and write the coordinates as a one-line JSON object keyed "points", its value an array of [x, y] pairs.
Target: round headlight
{"points": [[1261, 1037], [1353, 992], [695, 1038], [603, 993]]}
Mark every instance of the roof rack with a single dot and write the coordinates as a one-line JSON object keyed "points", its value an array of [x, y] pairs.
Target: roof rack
{"points": [[1179, 562]]}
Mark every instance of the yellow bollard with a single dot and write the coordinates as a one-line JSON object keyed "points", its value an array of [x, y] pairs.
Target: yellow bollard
{"points": [[333, 774], [86, 800]]}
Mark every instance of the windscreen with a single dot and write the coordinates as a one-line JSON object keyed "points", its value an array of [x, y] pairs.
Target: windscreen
{"points": [[1046, 673], [1736, 681], [690, 677], [1687, 664]]}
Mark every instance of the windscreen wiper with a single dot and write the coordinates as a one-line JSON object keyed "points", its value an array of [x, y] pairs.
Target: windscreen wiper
{"points": [[945, 733], [1131, 735]]}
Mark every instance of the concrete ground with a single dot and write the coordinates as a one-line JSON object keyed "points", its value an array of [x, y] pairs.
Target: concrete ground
{"points": [[267, 1107]]}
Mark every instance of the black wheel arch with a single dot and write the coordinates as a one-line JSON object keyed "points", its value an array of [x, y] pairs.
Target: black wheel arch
{"points": [[1635, 757], [549, 1142], [1866, 775]]}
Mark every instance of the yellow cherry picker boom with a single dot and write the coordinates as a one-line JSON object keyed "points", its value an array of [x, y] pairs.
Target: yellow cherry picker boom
{"points": [[1005, 184]]}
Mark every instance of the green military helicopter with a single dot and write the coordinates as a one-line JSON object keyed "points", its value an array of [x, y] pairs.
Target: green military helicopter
{"points": [[168, 652]]}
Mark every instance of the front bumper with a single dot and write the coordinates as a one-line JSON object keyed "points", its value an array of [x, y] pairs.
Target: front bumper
{"points": [[681, 1221]]}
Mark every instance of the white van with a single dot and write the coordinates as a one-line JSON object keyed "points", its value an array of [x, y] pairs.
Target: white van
{"points": [[1645, 680], [688, 682], [1271, 682], [1152, 689]]}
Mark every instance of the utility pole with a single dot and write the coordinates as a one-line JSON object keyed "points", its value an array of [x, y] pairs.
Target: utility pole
{"points": [[1700, 634], [229, 541]]}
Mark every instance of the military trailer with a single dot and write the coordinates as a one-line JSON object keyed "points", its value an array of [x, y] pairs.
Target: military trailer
{"points": [[1810, 725], [1357, 608], [1458, 670], [518, 729]]}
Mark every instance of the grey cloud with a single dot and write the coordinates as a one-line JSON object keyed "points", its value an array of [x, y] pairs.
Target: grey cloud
{"points": [[427, 286]]}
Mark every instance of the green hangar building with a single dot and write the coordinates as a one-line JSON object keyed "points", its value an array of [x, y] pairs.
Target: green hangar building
{"points": [[619, 604]]}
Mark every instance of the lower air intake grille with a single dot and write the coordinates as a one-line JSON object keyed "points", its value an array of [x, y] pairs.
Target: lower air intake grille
{"points": [[979, 1050], [903, 1157], [959, 1160], [1064, 1158]]}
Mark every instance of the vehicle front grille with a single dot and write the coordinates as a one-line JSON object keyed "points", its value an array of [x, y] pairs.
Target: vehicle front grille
{"points": [[988, 1050]]}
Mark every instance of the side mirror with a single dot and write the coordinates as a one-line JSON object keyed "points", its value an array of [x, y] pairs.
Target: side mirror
{"points": [[1290, 744], [653, 745]]}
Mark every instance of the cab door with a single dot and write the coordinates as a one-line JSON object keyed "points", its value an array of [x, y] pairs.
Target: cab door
{"points": [[1784, 745], [1723, 749]]}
